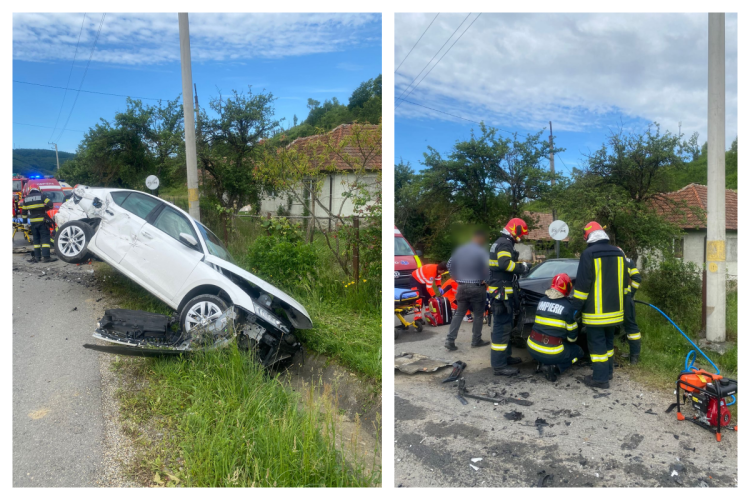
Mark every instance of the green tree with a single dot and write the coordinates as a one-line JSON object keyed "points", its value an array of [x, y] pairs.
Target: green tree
{"points": [[231, 143]]}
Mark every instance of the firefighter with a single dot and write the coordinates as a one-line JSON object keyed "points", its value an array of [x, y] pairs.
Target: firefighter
{"points": [[599, 295], [503, 265], [35, 206], [427, 275], [555, 331], [631, 327]]}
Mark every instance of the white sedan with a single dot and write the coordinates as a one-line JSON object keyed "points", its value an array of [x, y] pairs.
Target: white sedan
{"points": [[173, 256]]}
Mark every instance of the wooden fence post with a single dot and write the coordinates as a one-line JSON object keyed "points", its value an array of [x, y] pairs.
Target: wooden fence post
{"points": [[355, 250]]}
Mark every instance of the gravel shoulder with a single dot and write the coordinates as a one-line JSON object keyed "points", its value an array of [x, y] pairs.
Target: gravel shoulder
{"points": [[572, 435]]}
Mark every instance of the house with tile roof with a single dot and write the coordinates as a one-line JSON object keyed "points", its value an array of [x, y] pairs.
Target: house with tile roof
{"points": [[337, 183], [687, 208]]}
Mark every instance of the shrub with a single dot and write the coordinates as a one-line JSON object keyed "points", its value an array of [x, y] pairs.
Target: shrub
{"points": [[283, 262], [675, 287]]}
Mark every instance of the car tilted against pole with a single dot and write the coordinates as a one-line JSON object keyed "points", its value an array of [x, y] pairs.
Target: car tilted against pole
{"points": [[182, 263]]}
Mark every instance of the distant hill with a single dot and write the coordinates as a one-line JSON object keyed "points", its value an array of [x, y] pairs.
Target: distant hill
{"points": [[37, 161]]}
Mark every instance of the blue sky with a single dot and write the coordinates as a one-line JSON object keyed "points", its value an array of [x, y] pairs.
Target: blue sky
{"points": [[295, 56], [587, 73]]}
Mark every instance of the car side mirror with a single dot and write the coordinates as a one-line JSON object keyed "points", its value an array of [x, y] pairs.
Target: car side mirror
{"points": [[420, 254], [189, 239]]}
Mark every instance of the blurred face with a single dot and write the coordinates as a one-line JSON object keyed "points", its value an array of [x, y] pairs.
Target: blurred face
{"points": [[478, 239]]}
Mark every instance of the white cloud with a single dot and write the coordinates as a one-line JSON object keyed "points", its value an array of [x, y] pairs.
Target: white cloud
{"points": [[148, 39], [578, 70]]}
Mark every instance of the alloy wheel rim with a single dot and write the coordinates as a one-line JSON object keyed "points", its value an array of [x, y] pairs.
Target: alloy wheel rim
{"points": [[201, 314], [71, 241]]}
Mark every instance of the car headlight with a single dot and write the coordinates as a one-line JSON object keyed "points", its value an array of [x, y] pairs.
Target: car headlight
{"points": [[270, 318]]}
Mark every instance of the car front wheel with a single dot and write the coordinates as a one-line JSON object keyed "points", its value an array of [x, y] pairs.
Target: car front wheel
{"points": [[72, 240], [200, 311]]}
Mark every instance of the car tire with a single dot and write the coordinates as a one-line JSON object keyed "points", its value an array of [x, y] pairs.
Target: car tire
{"points": [[72, 241], [206, 306]]}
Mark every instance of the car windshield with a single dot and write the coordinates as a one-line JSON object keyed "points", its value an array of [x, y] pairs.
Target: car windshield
{"points": [[553, 267], [402, 247], [55, 196], [214, 244], [17, 185]]}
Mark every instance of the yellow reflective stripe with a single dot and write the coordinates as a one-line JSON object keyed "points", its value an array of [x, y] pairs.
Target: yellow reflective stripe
{"points": [[550, 322], [37, 219], [491, 288], [571, 340], [508, 290], [627, 290], [511, 266], [544, 349], [635, 285], [499, 347], [611, 353], [493, 263], [29, 207], [634, 336], [620, 278], [577, 294], [603, 321], [599, 359], [633, 270], [416, 257], [45, 245], [46, 200], [504, 254], [598, 286], [574, 360], [603, 315], [37, 246]]}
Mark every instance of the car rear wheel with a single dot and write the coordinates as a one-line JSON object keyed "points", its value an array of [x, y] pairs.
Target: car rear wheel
{"points": [[72, 240], [200, 311]]}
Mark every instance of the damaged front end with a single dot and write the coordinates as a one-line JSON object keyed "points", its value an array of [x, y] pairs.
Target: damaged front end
{"points": [[140, 333]]}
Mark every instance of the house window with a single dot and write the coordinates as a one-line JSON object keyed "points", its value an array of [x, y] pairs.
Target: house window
{"points": [[678, 247]]}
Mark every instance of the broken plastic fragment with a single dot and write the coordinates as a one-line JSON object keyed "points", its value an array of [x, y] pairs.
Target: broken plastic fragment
{"points": [[474, 467], [475, 460]]}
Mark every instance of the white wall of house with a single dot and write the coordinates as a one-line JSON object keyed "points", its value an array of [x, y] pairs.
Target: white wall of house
{"points": [[331, 195], [694, 242]]}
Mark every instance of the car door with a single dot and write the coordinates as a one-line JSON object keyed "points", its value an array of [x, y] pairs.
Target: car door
{"points": [[160, 257], [122, 218]]}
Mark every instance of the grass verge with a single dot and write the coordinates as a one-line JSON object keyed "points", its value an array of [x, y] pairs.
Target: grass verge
{"points": [[663, 348], [218, 419]]}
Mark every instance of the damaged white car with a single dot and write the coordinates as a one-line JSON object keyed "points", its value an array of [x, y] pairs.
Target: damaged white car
{"points": [[181, 262]]}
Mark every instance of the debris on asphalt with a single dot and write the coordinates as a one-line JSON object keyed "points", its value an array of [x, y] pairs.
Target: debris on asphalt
{"points": [[411, 363], [474, 467], [475, 460], [650, 412], [458, 368], [602, 395], [631, 442], [514, 415]]}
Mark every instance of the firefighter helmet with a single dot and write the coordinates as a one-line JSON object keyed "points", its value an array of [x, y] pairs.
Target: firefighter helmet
{"points": [[590, 228], [517, 228], [562, 284]]}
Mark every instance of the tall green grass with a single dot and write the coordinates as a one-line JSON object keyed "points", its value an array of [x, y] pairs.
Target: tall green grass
{"points": [[663, 348], [229, 424]]}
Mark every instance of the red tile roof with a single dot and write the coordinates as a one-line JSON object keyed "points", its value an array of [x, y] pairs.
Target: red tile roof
{"points": [[372, 157], [687, 207], [542, 221]]}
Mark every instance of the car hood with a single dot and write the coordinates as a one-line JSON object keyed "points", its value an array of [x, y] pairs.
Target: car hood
{"points": [[295, 311]]}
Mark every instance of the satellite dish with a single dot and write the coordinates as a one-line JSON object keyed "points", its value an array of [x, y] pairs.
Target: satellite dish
{"points": [[152, 182], [558, 230]]}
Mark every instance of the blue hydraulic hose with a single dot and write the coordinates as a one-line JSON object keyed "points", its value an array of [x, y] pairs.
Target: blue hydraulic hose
{"points": [[687, 364]]}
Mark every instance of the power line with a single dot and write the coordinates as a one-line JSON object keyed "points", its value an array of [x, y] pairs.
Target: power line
{"points": [[564, 165], [433, 57], [43, 126], [70, 73], [443, 112], [420, 38], [93, 47], [441, 57], [455, 116], [91, 91]]}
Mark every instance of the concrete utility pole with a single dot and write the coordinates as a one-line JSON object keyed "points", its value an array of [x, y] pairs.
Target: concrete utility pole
{"points": [[552, 169], [57, 157], [716, 290], [187, 104]]}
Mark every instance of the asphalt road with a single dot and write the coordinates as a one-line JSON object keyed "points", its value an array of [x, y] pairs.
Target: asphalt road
{"points": [[572, 435], [58, 427]]}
